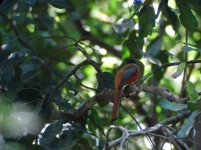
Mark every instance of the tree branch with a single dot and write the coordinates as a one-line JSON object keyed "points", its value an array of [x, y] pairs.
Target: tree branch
{"points": [[167, 65], [107, 95], [160, 92], [131, 134]]}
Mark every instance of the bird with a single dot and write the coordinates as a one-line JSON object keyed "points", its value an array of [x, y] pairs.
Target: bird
{"points": [[126, 75]]}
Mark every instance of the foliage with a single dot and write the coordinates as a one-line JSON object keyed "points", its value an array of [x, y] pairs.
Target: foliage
{"points": [[58, 59]]}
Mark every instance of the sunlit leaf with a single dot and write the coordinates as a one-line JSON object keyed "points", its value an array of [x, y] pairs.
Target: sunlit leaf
{"points": [[153, 60], [188, 48], [172, 105], [191, 91], [134, 44], [123, 25], [125, 52], [179, 71], [188, 125]]}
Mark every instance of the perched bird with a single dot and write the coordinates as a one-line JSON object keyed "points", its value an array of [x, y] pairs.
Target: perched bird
{"points": [[129, 73]]}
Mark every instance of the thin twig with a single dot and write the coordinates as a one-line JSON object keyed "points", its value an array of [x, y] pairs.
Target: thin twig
{"points": [[90, 88], [166, 66], [153, 129], [183, 86], [147, 136], [46, 98], [94, 64]]}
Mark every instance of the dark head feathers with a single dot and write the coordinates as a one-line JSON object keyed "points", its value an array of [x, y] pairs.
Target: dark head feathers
{"points": [[130, 61]]}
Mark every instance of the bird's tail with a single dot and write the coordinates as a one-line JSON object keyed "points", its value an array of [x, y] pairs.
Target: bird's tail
{"points": [[116, 103]]}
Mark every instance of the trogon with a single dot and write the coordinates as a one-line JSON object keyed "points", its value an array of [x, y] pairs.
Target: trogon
{"points": [[126, 75]]}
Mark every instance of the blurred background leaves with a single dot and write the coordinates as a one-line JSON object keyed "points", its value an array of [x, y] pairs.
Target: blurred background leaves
{"points": [[39, 47]]}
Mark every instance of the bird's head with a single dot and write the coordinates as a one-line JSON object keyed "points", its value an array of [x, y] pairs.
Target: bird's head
{"points": [[130, 61]]}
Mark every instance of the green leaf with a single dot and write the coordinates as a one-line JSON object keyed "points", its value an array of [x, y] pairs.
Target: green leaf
{"points": [[73, 139], [59, 3], [195, 5], [29, 93], [6, 4], [153, 50], [125, 52], [154, 47], [194, 105], [137, 6], [146, 20], [13, 146], [96, 121], [64, 105], [45, 72], [134, 45], [191, 91], [179, 71], [188, 48], [188, 125], [109, 80], [172, 105], [29, 3], [49, 136], [68, 140], [162, 56], [7, 71], [82, 144], [187, 17]]}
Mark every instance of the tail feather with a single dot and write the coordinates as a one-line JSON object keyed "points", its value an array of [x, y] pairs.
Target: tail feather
{"points": [[116, 103]]}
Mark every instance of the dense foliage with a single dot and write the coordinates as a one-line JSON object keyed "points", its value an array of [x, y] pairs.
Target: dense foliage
{"points": [[58, 59]]}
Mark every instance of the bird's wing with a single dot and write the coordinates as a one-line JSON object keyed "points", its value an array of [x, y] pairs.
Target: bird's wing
{"points": [[127, 73]]}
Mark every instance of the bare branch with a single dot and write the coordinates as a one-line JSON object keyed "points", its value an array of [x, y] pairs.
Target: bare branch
{"points": [[107, 95], [161, 92], [132, 134]]}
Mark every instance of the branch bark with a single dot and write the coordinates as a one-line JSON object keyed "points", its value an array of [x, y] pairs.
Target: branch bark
{"points": [[132, 134], [107, 95]]}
